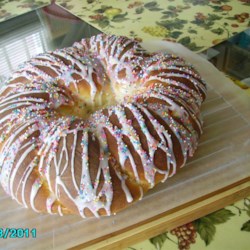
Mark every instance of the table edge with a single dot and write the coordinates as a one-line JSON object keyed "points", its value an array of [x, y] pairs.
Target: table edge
{"points": [[170, 219]]}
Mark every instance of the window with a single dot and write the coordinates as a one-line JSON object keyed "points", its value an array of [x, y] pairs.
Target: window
{"points": [[19, 46]]}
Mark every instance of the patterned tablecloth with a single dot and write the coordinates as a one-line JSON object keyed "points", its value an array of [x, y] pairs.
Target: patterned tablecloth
{"points": [[225, 229], [10, 8], [197, 24]]}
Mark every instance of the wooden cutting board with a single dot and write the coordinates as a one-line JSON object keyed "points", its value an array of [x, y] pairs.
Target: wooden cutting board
{"points": [[216, 176]]}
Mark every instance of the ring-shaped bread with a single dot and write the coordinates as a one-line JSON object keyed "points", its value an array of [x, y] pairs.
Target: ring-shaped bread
{"points": [[90, 128]]}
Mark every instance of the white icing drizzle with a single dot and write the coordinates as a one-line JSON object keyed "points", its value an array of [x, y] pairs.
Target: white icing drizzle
{"points": [[162, 133], [9, 151], [153, 144], [86, 67], [20, 161], [88, 196], [23, 181], [49, 203], [34, 190], [183, 111], [60, 210], [73, 160]]}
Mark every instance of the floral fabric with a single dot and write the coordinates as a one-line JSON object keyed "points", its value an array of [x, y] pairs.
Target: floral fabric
{"points": [[197, 24], [225, 229], [12, 8]]}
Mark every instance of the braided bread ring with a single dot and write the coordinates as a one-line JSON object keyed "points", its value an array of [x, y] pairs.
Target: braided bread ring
{"points": [[91, 128]]}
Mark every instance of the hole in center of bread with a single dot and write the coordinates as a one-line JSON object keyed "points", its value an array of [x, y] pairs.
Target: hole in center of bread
{"points": [[95, 86], [84, 106]]}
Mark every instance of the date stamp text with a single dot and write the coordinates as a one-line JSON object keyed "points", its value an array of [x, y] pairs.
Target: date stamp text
{"points": [[17, 233]]}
